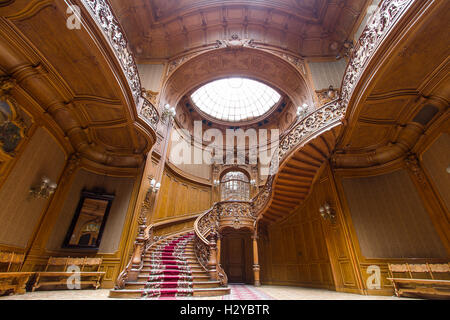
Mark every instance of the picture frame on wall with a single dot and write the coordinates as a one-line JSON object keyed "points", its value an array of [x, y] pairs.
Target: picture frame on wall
{"points": [[88, 223]]}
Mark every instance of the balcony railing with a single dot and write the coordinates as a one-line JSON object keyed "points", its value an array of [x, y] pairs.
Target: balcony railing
{"points": [[103, 15], [246, 213], [240, 214]]}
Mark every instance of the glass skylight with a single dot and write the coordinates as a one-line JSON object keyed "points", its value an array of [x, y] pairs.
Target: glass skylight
{"points": [[235, 99]]}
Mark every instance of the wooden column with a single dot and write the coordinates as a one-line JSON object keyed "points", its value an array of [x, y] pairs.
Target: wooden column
{"points": [[256, 267], [219, 246]]}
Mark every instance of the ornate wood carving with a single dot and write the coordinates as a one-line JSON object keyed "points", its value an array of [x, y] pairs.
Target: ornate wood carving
{"points": [[103, 15]]}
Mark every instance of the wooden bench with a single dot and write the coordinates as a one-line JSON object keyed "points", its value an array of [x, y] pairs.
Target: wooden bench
{"points": [[56, 272], [421, 280], [12, 281]]}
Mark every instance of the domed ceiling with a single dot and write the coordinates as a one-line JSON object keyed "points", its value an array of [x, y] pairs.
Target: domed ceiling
{"points": [[162, 29], [235, 99]]}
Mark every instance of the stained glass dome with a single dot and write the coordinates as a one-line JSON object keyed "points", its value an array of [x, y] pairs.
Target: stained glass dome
{"points": [[235, 99]]}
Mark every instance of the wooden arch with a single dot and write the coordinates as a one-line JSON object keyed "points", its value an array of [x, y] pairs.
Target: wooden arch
{"points": [[246, 62]]}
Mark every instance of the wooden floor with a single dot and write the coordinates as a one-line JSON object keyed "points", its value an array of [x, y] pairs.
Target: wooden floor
{"points": [[237, 292]]}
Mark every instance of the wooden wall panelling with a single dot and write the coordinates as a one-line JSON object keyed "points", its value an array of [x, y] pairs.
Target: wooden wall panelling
{"points": [[179, 196], [362, 261], [295, 251], [117, 231], [20, 215], [435, 162], [35, 258], [433, 204], [340, 245]]}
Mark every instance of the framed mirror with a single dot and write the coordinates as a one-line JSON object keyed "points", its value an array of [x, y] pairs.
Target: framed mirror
{"points": [[88, 223]]}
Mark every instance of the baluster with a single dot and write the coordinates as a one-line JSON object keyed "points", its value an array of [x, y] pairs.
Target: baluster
{"points": [[139, 245]]}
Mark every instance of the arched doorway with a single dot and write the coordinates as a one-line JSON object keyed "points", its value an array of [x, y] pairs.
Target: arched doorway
{"points": [[236, 255]]}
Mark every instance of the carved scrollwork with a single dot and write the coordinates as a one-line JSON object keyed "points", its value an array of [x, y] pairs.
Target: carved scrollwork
{"points": [[375, 31], [149, 114], [235, 43], [103, 15], [313, 123]]}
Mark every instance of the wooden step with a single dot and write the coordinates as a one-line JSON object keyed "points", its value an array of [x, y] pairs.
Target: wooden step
{"points": [[201, 277], [136, 293], [140, 284]]}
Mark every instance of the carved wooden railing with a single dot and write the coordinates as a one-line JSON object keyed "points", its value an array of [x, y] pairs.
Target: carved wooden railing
{"points": [[102, 14], [328, 116], [145, 239], [207, 225]]}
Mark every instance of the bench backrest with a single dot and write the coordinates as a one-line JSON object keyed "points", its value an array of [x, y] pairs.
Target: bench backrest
{"points": [[8, 259], [65, 262], [425, 268]]}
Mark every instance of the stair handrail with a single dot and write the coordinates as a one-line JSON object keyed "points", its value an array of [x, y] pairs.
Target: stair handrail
{"points": [[144, 241], [206, 226]]}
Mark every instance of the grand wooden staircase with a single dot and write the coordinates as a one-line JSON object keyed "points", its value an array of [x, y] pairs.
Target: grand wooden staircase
{"points": [[301, 153], [171, 269], [295, 177]]}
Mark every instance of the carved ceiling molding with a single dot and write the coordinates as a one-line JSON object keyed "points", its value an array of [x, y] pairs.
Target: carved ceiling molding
{"points": [[382, 126], [261, 65], [310, 28], [235, 43], [87, 112]]}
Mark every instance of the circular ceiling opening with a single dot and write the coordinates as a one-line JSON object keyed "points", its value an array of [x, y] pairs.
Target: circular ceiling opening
{"points": [[235, 99]]}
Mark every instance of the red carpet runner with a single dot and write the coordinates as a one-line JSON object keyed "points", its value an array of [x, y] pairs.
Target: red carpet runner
{"points": [[170, 274]]}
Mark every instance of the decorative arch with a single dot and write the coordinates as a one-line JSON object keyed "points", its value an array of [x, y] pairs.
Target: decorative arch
{"points": [[245, 62]]}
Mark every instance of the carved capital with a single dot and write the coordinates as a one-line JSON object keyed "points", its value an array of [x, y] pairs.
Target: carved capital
{"points": [[413, 164], [6, 84]]}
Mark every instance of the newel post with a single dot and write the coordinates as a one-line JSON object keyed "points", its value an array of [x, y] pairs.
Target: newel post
{"points": [[212, 262], [256, 261], [139, 244]]}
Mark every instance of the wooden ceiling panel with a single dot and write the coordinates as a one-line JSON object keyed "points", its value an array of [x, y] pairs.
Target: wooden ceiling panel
{"points": [[369, 136], [77, 82], [385, 110], [412, 73], [309, 19], [102, 113], [69, 54], [114, 139], [418, 57]]}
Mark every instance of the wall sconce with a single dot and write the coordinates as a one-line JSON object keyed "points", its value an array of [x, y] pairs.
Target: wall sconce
{"points": [[169, 111], [216, 182], [331, 92], [154, 186], [327, 212], [302, 110], [253, 182], [44, 190]]}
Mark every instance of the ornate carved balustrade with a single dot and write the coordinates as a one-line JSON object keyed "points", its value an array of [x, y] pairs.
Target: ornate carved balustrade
{"points": [[240, 214], [103, 15]]}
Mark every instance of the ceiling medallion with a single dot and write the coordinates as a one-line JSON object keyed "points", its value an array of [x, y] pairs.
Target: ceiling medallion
{"points": [[235, 42]]}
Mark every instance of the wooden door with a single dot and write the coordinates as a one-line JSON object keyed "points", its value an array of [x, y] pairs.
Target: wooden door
{"points": [[233, 259]]}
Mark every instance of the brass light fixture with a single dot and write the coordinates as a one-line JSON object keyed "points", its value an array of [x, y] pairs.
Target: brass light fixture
{"points": [[44, 190], [327, 212], [302, 110], [169, 112], [155, 186]]}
